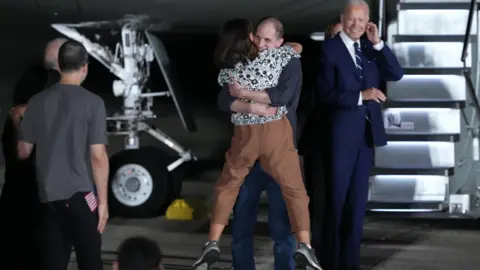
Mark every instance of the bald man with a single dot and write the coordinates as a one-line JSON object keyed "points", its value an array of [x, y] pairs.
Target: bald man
{"points": [[19, 200], [269, 34], [50, 60]]}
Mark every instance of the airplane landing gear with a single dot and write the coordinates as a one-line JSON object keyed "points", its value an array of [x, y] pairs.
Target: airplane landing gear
{"points": [[143, 180]]}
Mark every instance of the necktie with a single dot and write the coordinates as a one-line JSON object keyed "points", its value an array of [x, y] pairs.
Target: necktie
{"points": [[359, 64], [358, 59]]}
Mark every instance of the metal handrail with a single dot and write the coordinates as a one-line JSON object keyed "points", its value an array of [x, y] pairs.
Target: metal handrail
{"points": [[466, 70], [381, 18], [468, 30]]}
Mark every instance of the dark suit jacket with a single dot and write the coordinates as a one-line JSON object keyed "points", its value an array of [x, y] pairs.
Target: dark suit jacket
{"points": [[20, 187], [337, 120]]}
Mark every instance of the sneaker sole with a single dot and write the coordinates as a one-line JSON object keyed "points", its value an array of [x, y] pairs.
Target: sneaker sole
{"points": [[302, 262], [210, 258]]}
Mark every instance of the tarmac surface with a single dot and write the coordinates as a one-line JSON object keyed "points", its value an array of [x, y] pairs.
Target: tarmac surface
{"points": [[387, 244]]}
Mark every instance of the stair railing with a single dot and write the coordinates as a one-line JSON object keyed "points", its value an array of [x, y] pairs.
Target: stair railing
{"points": [[382, 19], [466, 71]]}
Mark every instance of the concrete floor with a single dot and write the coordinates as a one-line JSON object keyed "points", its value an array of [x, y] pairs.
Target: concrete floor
{"points": [[387, 244]]}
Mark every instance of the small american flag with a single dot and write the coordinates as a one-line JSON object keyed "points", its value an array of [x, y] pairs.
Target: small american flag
{"points": [[91, 201]]}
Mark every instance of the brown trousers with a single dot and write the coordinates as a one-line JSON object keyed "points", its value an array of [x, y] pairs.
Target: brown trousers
{"points": [[272, 143]]}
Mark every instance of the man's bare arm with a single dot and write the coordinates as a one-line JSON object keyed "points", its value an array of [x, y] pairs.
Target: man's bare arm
{"points": [[100, 168], [97, 139]]}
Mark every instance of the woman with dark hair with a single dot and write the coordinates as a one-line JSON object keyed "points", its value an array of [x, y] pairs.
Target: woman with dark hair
{"points": [[266, 138]]}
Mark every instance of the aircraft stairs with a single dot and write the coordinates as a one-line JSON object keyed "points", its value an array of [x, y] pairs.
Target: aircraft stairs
{"points": [[430, 166]]}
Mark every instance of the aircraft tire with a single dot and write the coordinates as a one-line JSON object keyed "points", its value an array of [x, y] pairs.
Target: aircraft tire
{"points": [[140, 185]]}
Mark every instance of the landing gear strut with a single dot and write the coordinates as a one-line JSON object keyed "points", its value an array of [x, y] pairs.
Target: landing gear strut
{"points": [[142, 179]]}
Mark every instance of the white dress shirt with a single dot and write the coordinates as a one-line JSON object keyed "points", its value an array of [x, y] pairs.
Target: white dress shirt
{"points": [[349, 44]]}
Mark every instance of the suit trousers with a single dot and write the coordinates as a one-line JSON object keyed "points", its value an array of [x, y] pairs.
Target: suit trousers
{"points": [[272, 144], [19, 209], [316, 175], [348, 195]]}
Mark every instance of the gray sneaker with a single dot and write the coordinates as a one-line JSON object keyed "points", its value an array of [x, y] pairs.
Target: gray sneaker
{"points": [[305, 257], [210, 255]]}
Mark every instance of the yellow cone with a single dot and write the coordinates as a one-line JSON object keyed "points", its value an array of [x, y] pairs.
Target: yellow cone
{"points": [[179, 210]]}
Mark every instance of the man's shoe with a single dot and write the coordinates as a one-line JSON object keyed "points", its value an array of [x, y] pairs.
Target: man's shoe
{"points": [[305, 257], [210, 255]]}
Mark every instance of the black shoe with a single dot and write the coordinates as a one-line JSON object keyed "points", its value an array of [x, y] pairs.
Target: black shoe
{"points": [[210, 255], [305, 257]]}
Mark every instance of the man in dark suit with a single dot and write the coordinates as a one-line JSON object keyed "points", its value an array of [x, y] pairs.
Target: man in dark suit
{"points": [[19, 202], [351, 71], [314, 163]]}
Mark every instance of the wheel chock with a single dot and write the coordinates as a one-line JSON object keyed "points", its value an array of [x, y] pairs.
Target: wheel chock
{"points": [[179, 210]]}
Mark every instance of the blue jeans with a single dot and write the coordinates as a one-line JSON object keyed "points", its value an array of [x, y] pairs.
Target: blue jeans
{"points": [[245, 218]]}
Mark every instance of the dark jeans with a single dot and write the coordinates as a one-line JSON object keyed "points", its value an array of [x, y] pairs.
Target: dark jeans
{"points": [[66, 224], [245, 217]]}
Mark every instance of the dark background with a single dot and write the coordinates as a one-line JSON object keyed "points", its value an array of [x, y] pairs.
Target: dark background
{"points": [[191, 56], [192, 60]]}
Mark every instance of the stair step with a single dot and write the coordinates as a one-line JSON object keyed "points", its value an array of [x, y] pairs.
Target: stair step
{"points": [[432, 38], [408, 188], [426, 88], [423, 137], [418, 207], [438, 171], [431, 54], [434, 71], [433, 22], [422, 121], [434, 6], [425, 104], [415, 155]]}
